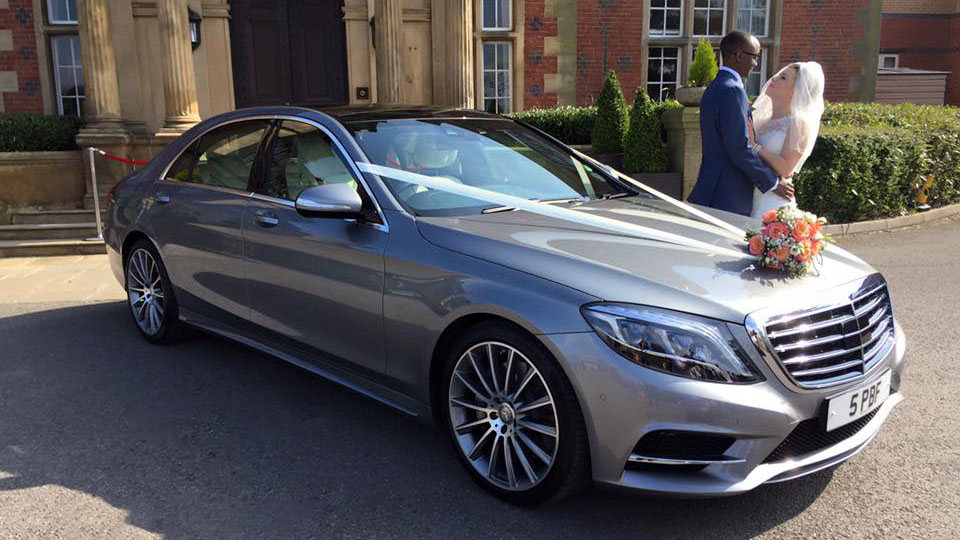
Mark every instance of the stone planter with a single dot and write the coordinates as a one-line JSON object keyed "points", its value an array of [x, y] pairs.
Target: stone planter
{"points": [[670, 183], [51, 179], [690, 97]]}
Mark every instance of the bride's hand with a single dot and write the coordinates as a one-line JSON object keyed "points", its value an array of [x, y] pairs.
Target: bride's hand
{"points": [[785, 189]]}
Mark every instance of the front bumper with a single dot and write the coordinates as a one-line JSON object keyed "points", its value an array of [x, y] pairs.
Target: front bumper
{"points": [[622, 401]]}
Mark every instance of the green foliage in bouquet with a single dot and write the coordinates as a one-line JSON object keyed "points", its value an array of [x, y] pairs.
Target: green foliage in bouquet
{"points": [[611, 124], [704, 68], [643, 149]]}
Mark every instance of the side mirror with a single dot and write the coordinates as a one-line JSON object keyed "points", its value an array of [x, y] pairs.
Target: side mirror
{"points": [[330, 201]]}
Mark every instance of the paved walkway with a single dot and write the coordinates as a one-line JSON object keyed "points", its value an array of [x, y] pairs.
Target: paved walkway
{"points": [[74, 278]]}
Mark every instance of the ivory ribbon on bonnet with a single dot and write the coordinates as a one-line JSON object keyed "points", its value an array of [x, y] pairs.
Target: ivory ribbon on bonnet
{"points": [[569, 215]]}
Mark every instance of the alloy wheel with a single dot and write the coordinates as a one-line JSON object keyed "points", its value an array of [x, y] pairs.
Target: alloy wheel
{"points": [[503, 416], [145, 291]]}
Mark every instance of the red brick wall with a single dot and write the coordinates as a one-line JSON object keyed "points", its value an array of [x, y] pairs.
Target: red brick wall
{"points": [[621, 50], [535, 63], [22, 59], [825, 31], [926, 42]]}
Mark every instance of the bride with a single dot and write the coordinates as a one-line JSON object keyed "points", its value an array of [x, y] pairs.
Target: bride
{"points": [[786, 117]]}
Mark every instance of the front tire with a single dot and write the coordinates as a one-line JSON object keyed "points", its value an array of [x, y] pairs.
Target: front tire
{"points": [[513, 417], [150, 295]]}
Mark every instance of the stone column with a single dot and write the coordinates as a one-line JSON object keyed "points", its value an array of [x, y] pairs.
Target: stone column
{"points": [[389, 48], [100, 67], [179, 79], [458, 46]]}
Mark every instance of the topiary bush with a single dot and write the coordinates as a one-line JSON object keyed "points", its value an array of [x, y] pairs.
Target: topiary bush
{"points": [[38, 133], [643, 148], [704, 68], [611, 124]]}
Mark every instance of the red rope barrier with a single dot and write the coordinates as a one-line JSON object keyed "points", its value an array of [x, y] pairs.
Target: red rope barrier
{"points": [[121, 159]]}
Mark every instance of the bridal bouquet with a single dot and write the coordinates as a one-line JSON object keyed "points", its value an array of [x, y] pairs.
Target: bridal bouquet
{"points": [[789, 241]]}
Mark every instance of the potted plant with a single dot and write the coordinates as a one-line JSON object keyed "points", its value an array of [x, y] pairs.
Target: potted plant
{"points": [[702, 72], [611, 123], [644, 151]]}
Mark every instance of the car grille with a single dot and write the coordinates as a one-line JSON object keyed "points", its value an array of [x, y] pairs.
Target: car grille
{"points": [[810, 436], [833, 344]]}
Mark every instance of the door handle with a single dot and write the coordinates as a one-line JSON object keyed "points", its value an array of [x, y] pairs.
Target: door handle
{"points": [[161, 198], [266, 220]]}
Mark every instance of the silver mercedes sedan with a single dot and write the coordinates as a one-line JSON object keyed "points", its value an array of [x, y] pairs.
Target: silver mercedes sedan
{"points": [[560, 322]]}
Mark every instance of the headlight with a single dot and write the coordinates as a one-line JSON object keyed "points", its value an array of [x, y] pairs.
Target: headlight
{"points": [[671, 342]]}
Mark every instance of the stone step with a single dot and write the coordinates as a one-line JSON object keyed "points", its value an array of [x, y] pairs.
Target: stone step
{"points": [[79, 215], [48, 231], [44, 248]]}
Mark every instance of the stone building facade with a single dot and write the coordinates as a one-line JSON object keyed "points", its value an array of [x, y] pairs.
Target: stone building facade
{"points": [[143, 70]]}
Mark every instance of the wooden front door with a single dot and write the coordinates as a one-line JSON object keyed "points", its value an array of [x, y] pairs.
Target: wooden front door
{"points": [[288, 52]]}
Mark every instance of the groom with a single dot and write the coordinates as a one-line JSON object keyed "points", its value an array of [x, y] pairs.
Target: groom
{"points": [[731, 167]]}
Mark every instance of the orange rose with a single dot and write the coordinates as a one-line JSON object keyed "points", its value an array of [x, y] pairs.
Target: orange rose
{"points": [[807, 246], [817, 247], [781, 254], [774, 266], [801, 229], [757, 245], [770, 216], [777, 230]]}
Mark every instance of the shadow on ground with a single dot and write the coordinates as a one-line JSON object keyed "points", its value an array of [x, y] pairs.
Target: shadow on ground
{"points": [[208, 439]]}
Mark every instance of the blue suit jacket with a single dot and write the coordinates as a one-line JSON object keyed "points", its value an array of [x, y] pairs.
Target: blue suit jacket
{"points": [[730, 168]]}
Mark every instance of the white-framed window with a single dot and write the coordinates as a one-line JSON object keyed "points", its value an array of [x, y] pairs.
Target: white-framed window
{"points": [[709, 18], [497, 15], [663, 72], [62, 11], [758, 76], [753, 16], [497, 77], [889, 61], [68, 74], [666, 17]]}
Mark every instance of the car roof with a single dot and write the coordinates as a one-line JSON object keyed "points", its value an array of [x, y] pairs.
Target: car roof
{"points": [[374, 113]]}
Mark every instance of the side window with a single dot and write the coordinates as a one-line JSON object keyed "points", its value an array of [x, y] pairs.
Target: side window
{"points": [[180, 170], [304, 156], [223, 157]]}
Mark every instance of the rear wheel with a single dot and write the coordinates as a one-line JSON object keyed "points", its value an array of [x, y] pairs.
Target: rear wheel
{"points": [[150, 295], [513, 416]]}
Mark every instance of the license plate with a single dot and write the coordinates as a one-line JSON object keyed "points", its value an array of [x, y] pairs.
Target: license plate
{"points": [[855, 404]]}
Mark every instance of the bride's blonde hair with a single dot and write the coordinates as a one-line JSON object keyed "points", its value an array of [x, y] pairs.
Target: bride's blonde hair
{"points": [[806, 107]]}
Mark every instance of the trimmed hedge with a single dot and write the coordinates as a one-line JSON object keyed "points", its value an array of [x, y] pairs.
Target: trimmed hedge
{"points": [[859, 173], [870, 160], [38, 133], [574, 125]]}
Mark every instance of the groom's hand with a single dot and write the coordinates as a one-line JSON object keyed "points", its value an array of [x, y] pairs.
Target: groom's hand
{"points": [[784, 189]]}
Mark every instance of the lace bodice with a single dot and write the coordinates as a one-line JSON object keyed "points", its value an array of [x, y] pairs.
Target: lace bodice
{"points": [[773, 134]]}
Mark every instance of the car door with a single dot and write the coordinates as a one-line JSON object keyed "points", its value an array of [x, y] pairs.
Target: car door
{"points": [[196, 215], [316, 281]]}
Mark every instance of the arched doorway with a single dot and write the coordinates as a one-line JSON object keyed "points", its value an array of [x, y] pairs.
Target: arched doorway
{"points": [[288, 52]]}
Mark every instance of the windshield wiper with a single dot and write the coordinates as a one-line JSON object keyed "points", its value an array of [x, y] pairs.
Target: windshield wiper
{"points": [[609, 196], [495, 209]]}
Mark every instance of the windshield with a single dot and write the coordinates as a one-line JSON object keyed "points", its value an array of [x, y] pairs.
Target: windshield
{"points": [[492, 154]]}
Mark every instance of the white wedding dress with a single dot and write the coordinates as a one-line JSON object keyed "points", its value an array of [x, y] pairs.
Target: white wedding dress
{"points": [[771, 136]]}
